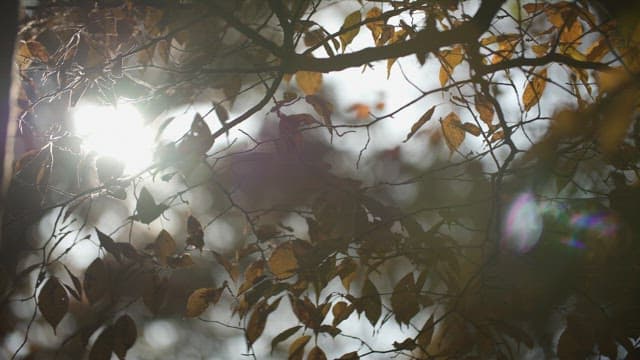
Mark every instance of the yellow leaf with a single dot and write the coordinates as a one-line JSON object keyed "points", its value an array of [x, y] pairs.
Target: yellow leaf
{"points": [[23, 55], [571, 35], [309, 82], [452, 131], [399, 35], [485, 109], [598, 49], [376, 26], [449, 60], [534, 89], [540, 49], [351, 20]]}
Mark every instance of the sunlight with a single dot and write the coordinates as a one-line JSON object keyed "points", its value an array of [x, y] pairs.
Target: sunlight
{"points": [[118, 132]]}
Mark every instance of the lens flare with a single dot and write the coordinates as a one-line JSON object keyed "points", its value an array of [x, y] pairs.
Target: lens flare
{"points": [[116, 131], [522, 226]]}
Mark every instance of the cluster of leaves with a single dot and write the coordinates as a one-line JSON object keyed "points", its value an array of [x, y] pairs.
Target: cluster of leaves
{"points": [[434, 267]]}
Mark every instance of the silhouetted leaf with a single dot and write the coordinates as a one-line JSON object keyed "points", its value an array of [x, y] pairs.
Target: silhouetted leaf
{"points": [[426, 333], [195, 234], [96, 280], [125, 335], [406, 344], [323, 108], [103, 346], [108, 244], [404, 300], [231, 269], [164, 246], [76, 283], [257, 322], [350, 356], [418, 124], [53, 302], [146, 208], [371, 302]]}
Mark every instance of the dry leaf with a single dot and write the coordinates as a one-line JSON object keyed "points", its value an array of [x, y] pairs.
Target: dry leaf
{"points": [[534, 89], [164, 246], [195, 234], [472, 129], [485, 109], [316, 354], [449, 60], [418, 124], [198, 301], [452, 131], [309, 82], [351, 20], [296, 350], [375, 26]]}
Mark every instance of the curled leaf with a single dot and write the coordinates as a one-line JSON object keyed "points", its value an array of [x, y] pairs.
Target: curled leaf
{"points": [[350, 21], [418, 124]]}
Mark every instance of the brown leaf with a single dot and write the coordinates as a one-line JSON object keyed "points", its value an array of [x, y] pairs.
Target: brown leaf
{"points": [[426, 333], [96, 281], [375, 26], [108, 244], [296, 350], [485, 109], [498, 135], [231, 269], [598, 49], [283, 263], [198, 301], [418, 124], [306, 312], [253, 272], [257, 322], [76, 283], [38, 51], [154, 294], [371, 302], [351, 20], [406, 344], [323, 108], [452, 131], [404, 300], [103, 346], [222, 113], [534, 89], [53, 302], [316, 354], [284, 336], [164, 246], [399, 35], [195, 234], [125, 334], [341, 311], [472, 129], [347, 272], [350, 356], [309, 82]]}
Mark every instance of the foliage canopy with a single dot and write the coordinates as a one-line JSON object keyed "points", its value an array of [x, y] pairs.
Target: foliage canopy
{"points": [[503, 222]]}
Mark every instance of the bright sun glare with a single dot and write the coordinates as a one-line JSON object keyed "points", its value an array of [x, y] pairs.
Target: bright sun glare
{"points": [[116, 131]]}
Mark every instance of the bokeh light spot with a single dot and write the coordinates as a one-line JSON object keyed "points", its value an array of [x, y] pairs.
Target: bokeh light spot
{"points": [[522, 226]]}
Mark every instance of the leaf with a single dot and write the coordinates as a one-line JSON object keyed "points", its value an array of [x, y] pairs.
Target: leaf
{"points": [[53, 302], [96, 281], [323, 108], [350, 356], [108, 244], [371, 302], [103, 346], [254, 271], [449, 59], [198, 301], [195, 234], [375, 26], [426, 333], [257, 322], [347, 272], [284, 336], [534, 89], [404, 300], [154, 294], [283, 263], [222, 113], [125, 334], [351, 20], [306, 312], [399, 35], [485, 109], [472, 129], [230, 268], [180, 261], [76, 282], [163, 247], [406, 344], [418, 124], [309, 82], [316, 354], [146, 208], [341, 311], [296, 350], [452, 131]]}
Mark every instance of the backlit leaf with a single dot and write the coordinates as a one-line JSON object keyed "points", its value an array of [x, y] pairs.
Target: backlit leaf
{"points": [[76, 282], [195, 234], [309, 82], [485, 109], [472, 129], [341, 311], [284, 336], [316, 354], [375, 26], [231, 269], [53, 302], [164, 246], [323, 108], [296, 350], [418, 124], [452, 131], [108, 244], [426, 333], [449, 59], [283, 263], [198, 301], [257, 322], [96, 281], [534, 89], [347, 37], [146, 208]]}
